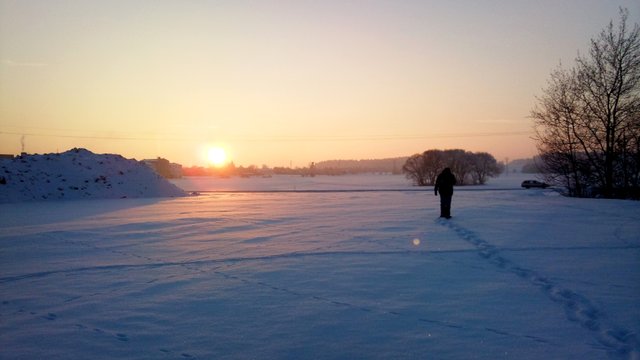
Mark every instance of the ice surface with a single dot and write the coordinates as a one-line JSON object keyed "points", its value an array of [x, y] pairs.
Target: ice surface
{"points": [[523, 274]]}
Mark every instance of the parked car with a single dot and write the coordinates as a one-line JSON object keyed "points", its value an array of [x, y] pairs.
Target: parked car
{"points": [[534, 184]]}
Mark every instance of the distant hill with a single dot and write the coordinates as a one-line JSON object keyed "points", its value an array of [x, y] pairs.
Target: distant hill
{"points": [[79, 174], [389, 165]]}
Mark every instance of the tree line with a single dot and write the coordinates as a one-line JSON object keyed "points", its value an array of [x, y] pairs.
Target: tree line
{"points": [[339, 167], [469, 168], [328, 167], [588, 119]]}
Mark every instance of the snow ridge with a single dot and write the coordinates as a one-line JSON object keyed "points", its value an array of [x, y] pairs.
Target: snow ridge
{"points": [[79, 174], [578, 308]]}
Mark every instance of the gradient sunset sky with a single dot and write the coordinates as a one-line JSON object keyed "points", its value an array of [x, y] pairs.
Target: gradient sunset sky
{"points": [[284, 82]]}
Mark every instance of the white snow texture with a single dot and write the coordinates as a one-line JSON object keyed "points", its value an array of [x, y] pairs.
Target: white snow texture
{"points": [[348, 272], [79, 174]]}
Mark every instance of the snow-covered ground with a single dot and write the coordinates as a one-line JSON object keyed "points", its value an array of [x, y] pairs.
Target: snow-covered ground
{"points": [[296, 183], [517, 274]]}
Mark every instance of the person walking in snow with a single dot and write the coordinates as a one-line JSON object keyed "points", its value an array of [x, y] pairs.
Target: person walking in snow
{"points": [[444, 185]]}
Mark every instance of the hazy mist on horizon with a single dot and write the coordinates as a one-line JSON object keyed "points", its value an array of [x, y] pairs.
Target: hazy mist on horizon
{"points": [[283, 82]]}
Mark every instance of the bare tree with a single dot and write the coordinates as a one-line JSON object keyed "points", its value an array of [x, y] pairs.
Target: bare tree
{"points": [[414, 170], [588, 119], [558, 132], [460, 163], [483, 165], [424, 169], [433, 161]]}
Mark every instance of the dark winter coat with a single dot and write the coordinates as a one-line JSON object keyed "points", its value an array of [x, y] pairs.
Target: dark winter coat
{"points": [[445, 182]]}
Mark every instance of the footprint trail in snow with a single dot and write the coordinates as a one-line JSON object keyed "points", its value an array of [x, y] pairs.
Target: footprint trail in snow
{"points": [[578, 308]]}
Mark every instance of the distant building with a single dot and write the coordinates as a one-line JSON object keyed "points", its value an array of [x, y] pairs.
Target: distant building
{"points": [[176, 170], [164, 168]]}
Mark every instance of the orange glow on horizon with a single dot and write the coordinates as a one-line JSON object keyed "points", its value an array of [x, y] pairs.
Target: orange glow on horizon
{"points": [[278, 86]]}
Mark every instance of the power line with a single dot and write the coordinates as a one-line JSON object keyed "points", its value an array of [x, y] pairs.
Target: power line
{"points": [[284, 138], [90, 137]]}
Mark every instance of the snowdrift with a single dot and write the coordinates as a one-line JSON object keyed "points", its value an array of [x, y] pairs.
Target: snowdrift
{"points": [[79, 174]]}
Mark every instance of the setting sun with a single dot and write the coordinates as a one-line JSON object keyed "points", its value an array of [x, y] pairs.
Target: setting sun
{"points": [[217, 156]]}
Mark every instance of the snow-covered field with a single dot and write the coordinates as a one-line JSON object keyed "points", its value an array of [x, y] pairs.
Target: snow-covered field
{"points": [[518, 274]]}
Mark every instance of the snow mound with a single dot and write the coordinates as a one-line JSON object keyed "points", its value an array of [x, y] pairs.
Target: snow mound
{"points": [[79, 174]]}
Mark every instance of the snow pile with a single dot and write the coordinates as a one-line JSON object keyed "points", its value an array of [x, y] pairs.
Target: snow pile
{"points": [[79, 174]]}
